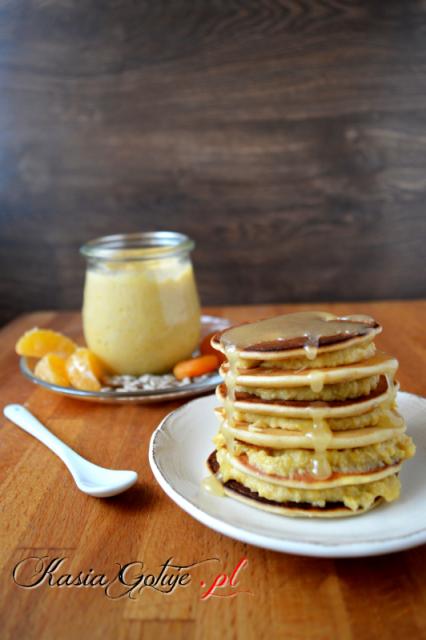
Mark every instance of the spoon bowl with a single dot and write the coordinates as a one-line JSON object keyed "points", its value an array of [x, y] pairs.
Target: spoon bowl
{"points": [[103, 483]]}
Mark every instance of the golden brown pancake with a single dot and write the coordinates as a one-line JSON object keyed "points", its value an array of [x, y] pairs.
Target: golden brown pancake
{"points": [[298, 407], [296, 467], [379, 364], [285, 439], [238, 491]]}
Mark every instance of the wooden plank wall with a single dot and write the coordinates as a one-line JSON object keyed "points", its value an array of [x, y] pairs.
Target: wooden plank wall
{"points": [[288, 138]]}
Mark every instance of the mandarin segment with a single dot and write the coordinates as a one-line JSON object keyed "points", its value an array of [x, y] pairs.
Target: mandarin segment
{"points": [[85, 370], [52, 368], [37, 343]]}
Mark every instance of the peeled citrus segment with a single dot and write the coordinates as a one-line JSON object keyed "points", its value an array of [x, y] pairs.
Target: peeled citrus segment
{"points": [[85, 370], [37, 343], [51, 368]]}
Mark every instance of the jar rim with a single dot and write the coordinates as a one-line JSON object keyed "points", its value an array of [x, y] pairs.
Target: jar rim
{"points": [[167, 243]]}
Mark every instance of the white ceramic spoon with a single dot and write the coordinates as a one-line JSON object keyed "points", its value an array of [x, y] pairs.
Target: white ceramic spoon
{"points": [[89, 478]]}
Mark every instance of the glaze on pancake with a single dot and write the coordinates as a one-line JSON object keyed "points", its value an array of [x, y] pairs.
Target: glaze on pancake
{"points": [[305, 333]]}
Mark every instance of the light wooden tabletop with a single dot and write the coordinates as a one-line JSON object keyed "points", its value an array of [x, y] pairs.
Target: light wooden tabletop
{"points": [[43, 515]]}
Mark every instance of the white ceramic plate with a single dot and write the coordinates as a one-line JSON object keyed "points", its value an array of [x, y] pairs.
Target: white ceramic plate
{"points": [[194, 388], [182, 442]]}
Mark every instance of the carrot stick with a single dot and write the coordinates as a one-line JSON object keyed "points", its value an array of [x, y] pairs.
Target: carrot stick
{"points": [[195, 367]]}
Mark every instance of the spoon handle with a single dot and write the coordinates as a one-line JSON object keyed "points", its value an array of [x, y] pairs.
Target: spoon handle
{"points": [[23, 418]]}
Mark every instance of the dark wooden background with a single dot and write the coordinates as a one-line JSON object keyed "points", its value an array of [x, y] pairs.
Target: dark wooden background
{"points": [[288, 138]]}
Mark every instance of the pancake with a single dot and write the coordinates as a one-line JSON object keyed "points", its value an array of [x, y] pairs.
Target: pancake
{"points": [[293, 409], [358, 349], [296, 467], [282, 438], [336, 479], [340, 391], [315, 378], [240, 492], [353, 496], [383, 415], [362, 349]]}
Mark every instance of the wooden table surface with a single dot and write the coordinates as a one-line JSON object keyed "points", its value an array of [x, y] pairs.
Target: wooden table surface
{"points": [[44, 515]]}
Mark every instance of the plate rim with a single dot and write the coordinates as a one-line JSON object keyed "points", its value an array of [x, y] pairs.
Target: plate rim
{"points": [[305, 548]]}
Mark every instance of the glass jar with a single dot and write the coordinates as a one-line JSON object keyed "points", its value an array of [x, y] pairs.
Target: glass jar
{"points": [[141, 312]]}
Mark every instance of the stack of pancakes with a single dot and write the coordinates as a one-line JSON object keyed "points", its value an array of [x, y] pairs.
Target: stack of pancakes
{"points": [[308, 422]]}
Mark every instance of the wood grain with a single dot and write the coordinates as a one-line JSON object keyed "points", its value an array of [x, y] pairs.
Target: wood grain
{"points": [[287, 137], [42, 513]]}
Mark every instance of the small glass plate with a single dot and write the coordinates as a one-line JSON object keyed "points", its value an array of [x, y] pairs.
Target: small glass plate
{"points": [[208, 325]]}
